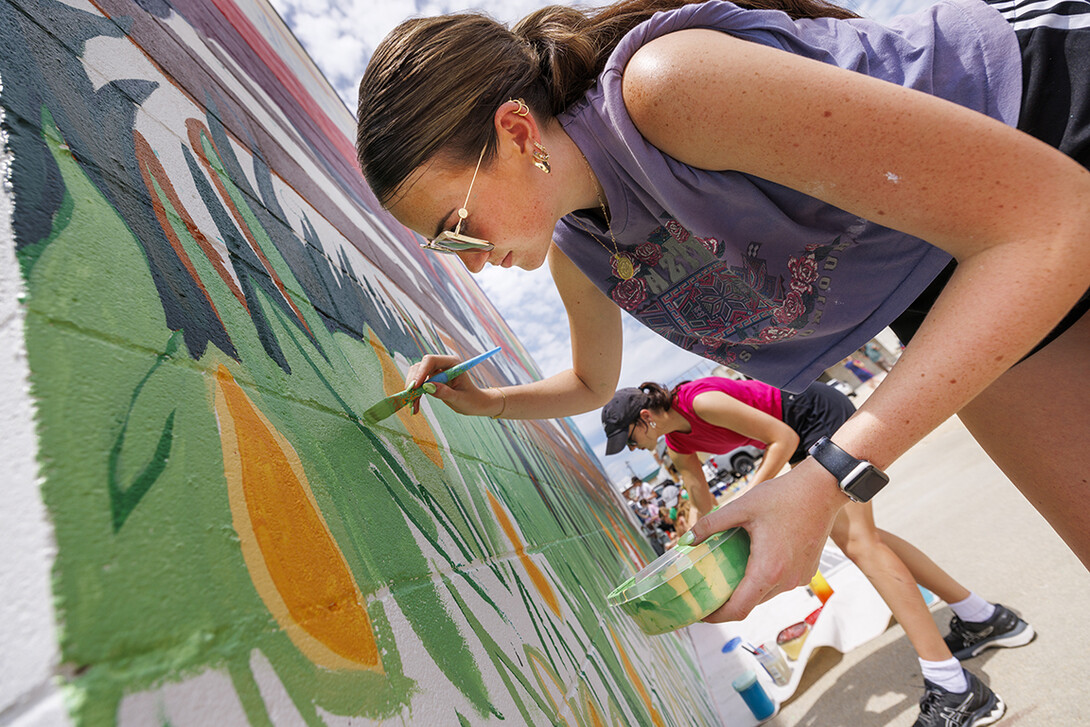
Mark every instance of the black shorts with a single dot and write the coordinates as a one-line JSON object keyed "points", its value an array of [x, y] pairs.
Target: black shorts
{"points": [[1054, 38], [815, 413]]}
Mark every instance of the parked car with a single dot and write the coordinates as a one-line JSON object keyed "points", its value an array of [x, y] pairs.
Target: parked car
{"points": [[725, 468]]}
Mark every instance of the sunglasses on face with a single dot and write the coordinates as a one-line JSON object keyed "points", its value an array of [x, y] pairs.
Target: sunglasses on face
{"points": [[631, 432], [453, 241]]}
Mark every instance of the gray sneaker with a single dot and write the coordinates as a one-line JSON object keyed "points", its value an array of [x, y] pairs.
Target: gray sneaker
{"points": [[975, 707], [1004, 629]]}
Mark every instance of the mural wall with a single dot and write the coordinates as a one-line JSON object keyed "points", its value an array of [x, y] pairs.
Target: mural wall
{"points": [[208, 297]]}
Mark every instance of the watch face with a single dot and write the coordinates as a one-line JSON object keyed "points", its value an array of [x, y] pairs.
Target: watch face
{"points": [[865, 482]]}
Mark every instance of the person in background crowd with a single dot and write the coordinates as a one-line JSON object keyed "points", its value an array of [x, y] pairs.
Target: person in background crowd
{"points": [[871, 351], [859, 369]]}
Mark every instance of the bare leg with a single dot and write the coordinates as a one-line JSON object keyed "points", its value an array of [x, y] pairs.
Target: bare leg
{"points": [[1043, 404], [702, 498], [855, 534], [926, 572]]}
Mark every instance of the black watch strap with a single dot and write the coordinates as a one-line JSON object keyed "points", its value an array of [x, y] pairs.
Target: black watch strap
{"points": [[833, 458]]}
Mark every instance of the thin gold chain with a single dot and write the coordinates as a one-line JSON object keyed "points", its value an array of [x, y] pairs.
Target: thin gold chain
{"points": [[622, 263]]}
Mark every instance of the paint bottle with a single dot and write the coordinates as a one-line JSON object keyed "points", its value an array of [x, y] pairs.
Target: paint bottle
{"points": [[821, 587], [754, 695]]}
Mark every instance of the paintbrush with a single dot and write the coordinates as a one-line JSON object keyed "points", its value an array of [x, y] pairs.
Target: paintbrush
{"points": [[392, 403]]}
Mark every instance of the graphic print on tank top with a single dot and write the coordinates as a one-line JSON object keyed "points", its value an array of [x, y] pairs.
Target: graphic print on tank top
{"points": [[685, 293]]}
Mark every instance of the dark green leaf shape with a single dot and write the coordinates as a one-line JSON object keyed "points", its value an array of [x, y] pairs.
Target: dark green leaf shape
{"points": [[123, 500]]}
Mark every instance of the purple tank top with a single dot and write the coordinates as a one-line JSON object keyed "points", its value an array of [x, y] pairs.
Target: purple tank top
{"points": [[760, 277]]}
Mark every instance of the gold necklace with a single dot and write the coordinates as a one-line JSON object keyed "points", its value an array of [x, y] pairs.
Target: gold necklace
{"points": [[622, 264]]}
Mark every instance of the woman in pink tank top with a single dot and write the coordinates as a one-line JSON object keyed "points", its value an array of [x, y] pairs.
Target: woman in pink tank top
{"points": [[714, 415]]}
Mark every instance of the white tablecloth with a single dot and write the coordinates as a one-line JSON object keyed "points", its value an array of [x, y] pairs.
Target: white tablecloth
{"points": [[853, 615]]}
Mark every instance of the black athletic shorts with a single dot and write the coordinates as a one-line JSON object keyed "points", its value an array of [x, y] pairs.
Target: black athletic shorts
{"points": [[815, 413], [1054, 37]]}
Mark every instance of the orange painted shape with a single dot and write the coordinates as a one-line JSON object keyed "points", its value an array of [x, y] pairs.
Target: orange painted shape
{"points": [[538, 578], [632, 550], [634, 677], [590, 708], [393, 381], [548, 680], [616, 545], [293, 559]]}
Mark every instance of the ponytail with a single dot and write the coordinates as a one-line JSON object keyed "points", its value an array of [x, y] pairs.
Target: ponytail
{"points": [[658, 398], [567, 57], [573, 46]]}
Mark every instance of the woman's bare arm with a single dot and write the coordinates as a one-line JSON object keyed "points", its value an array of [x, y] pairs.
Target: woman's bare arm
{"points": [[595, 324], [692, 476], [781, 441], [1012, 210]]}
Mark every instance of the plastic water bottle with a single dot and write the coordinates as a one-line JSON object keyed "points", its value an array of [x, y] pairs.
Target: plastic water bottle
{"points": [[732, 650]]}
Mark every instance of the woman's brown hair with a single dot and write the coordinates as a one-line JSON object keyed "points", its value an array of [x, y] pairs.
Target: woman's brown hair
{"points": [[434, 83], [658, 398]]}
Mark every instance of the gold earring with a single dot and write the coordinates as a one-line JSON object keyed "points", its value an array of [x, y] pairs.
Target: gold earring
{"points": [[541, 158], [523, 109]]}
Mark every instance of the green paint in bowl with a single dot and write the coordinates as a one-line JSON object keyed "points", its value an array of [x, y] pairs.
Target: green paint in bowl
{"points": [[684, 584]]}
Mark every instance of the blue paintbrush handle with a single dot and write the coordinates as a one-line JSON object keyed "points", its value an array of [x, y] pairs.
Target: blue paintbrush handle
{"points": [[457, 369]]}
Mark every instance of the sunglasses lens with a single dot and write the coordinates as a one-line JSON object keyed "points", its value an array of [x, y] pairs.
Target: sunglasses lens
{"points": [[458, 245], [452, 242]]}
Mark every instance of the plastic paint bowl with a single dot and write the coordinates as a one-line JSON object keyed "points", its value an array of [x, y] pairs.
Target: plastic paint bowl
{"points": [[685, 584]]}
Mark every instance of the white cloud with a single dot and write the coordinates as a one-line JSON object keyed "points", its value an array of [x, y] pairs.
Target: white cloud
{"points": [[335, 50], [530, 304]]}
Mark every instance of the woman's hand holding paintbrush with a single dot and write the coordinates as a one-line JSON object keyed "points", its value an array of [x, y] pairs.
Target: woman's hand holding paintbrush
{"points": [[458, 392]]}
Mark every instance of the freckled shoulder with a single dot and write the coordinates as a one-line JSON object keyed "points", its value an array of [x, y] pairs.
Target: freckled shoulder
{"points": [[668, 81]]}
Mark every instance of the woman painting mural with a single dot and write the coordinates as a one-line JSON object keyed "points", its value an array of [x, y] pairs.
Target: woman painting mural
{"points": [[769, 184]]}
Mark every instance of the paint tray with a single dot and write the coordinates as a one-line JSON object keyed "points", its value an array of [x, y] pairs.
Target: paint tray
{"points": [[684, 584]]}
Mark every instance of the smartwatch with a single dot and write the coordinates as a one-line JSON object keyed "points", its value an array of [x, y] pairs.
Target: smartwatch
{"points": [[858, 478]]}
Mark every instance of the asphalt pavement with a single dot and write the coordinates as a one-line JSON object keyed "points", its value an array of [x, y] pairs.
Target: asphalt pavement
{"points": [[948, 499]]}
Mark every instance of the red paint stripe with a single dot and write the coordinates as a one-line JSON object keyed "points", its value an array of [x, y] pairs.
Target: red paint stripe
{"points": [[272, 60]]}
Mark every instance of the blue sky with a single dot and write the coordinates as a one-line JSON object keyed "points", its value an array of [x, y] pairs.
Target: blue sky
{"points": [[340, 36]]}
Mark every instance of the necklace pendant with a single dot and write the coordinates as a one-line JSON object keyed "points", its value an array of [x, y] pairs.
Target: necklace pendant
{"points": [[623, 266]]}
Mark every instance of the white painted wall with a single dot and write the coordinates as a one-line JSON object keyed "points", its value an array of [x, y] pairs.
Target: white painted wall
{"points": [[28, 653]]}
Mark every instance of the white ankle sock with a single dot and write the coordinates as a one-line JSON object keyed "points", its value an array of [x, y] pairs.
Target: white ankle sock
{"points": [[947, 674], [973, 609]]}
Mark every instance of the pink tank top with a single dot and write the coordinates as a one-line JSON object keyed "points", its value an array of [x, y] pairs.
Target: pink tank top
{"points": [[711, 438]]}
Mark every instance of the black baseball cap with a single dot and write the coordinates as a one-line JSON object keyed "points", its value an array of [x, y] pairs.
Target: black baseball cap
{"points": [[618, 415]]}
